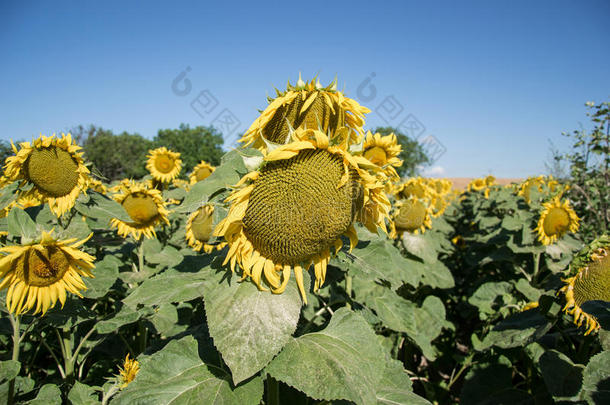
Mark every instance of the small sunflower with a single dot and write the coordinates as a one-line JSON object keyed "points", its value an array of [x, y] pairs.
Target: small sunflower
{"points": [[97, 185], [414, 187], [51, 169], [128, 372], [411, 215], [292, 211], [477, 185], [40, 273], [201, 172], [531, 184], [145, 206], [556, 219], [163, 164], [307, 106], [591, 282], [383, 151], [199, 230]]}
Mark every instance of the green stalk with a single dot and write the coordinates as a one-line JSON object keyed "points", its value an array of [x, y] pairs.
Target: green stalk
{"points": [[348, 291], [15, 322], [273, 391], [66, 342]]}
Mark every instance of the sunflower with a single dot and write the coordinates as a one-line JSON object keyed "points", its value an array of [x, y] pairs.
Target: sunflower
{"points": [[128, 372], [97, 185], [308, 106], [477, 185], [295, 208], [145, 207], [414, 187], [201, 172], [590, 282], [51, 169], [556, 219], [38, 274], [163, 164], [383, 151], [199, 230], [411, 215], [531, 184]]}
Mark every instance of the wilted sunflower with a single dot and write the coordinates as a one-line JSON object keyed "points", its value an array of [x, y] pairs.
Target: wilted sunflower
{"points": [[294, 209], [591, 282], [128, 372], [97, 185], [532, 183], [38, 274], [199, 230], [383, 151], [54, 169], [201, 172], [556, 219], [308, 106], [163, 164], [145, 206], [411, 215]]}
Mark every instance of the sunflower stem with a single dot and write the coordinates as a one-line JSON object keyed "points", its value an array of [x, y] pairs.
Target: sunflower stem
{"points": [[348, 291], [273, 391], [107, 395], [67, 351], [536, 266], [140, 256], [15, 322]]}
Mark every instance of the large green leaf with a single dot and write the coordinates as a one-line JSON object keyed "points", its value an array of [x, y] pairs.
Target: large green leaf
{"points": [[21, 224], [177, 375], [563, 378], [342, 361], [82, 394], [596, 379], [49, 394], [491, 297], [124, 316], [170, 286], [106, 273], [517, 330], [103, 209], [491, 384], [395, 387], [249, 326]]}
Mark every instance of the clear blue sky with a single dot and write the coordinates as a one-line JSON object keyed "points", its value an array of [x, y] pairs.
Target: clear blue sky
{"points": [[491, 81]]}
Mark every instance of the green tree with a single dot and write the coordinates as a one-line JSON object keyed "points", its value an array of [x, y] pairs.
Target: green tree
{"points": [[413, 154], [5, 151], [194, 144], [113, 156]]}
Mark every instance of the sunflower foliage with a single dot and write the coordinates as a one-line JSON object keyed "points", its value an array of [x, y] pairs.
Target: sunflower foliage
{"points": [[301, 269]]}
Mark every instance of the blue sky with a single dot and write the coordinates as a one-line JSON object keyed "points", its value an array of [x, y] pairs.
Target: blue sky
{"points": [[489, 82]]}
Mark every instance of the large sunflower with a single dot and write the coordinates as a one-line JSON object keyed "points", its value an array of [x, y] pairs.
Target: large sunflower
{"points": [[295, 208], [199, 230], [556, 219], [145, 206], [590, 282], [309, 106], [51, 169], [163, 164], [38, 274], [201, 172], [411, 215]]}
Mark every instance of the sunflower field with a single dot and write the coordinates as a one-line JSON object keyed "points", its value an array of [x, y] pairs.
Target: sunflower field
{"points": [[301, 270]]}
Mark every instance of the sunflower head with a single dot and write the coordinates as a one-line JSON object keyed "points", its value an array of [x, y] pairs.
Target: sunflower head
{"points": [[556, 219], [201, 172], [163, 164], [145, 207], [38, 274], [200, 229], [412, 215], [477, 184], [414, 187], [307, 105], [294, 209], [51, 169], [128, 372], [590, 281], [383, 151]]}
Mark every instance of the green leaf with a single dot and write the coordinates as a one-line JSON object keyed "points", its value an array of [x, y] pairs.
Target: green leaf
{"points": [[491, 384], [169, 286], [491, 296], [168, 257], [82, 394], [103, 209], [9, 369], [49, 394], [20, 224], [124, 316], [395, 387], [249, 326], [517, 330], [596, 379], [342, 361], [563, 378], [421, 246], [177, 375], [106, 273], [7, 194], [166, 320]]}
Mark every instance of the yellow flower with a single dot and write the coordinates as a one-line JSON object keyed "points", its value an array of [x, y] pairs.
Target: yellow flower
{"points": [[591, 282], [145, 207], [383, 151], [530, 305], [411, 215], [556, 219], [201, 172], [51, 168], [307, 106], [128, 372], [199, 230], [295, 208], [163, 164], [40, 273], [414, 187], [459, 241], [532, 183], [97, 185], [477, 185]]}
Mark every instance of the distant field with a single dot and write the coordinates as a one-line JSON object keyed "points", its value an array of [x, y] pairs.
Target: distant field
{"points": [[460, 183]]}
